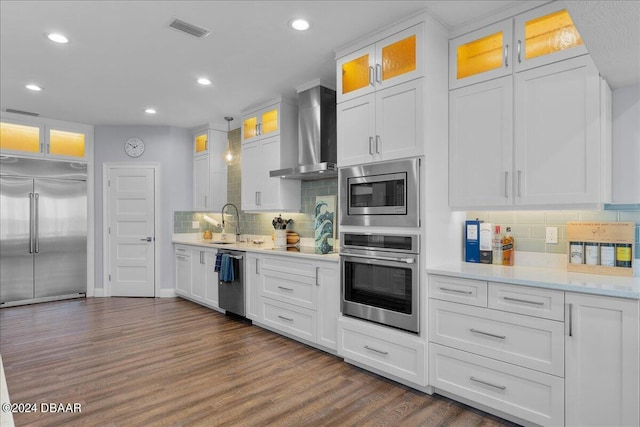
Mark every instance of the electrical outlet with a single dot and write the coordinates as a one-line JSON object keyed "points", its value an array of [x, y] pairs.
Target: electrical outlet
{"points": [[195, 224], [552, 235]]}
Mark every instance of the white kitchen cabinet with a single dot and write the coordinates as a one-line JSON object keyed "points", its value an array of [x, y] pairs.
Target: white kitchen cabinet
{"points": [[556, 156], [209, 170], [36, 137], [278, 117], [196, 279], [384, 125], [297, 297], [481, 144], [183, 270], [388, 352], [261, 192], [539, 37], [383, 63], [602, 358]]}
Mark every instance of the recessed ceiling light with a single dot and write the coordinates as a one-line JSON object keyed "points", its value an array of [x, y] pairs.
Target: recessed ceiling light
{"points": [[299, 24], [33, 87], [204, 81], [58, 38], [150, 111]]}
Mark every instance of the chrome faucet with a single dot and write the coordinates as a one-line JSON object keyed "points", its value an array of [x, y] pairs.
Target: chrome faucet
{"points": [[237, 219]]}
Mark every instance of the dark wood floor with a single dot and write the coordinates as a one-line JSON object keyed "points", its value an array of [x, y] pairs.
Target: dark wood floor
{"points": [[169, 362]]}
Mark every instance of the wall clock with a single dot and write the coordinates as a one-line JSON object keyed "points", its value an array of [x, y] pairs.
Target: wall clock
{"points": [[134, 147]]}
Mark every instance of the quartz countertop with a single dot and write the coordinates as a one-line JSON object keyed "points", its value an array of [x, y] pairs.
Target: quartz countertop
{"points": [[265, 248], [549, 278]]}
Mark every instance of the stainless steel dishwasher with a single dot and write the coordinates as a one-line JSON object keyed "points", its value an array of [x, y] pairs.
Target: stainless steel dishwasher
{"points": [[231, 294]]}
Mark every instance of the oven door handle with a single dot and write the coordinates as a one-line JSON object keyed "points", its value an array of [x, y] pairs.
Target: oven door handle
{"points": [[382, 258]]}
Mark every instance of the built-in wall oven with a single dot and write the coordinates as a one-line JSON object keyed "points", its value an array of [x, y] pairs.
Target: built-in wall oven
{"points": [[381, 194], [380, 278]]}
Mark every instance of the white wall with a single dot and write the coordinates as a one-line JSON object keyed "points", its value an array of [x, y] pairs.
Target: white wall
{"points": [[626, 144], [171, 148]]}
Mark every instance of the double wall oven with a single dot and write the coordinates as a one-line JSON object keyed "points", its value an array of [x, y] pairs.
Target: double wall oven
{"points": [[380, 271]]}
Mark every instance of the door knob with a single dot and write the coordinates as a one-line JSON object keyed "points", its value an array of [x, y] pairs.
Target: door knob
{"points": [[146, 239]]}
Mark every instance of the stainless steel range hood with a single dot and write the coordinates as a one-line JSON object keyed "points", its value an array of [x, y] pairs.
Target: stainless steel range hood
{"points": [[317, 148]]}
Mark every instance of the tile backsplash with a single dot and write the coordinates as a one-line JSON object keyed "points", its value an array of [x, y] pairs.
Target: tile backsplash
{"points": [[529, 227], [258, 223]]}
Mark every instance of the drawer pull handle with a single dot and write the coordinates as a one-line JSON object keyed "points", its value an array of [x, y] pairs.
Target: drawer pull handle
{"points": [[524, 301], [456, 291], [475, 331], [285, 289], [499, 387], [286, 318], [376, 350]]}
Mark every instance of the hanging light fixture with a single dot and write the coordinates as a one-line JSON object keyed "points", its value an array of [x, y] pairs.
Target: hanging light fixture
{"points": [[228, 155]]}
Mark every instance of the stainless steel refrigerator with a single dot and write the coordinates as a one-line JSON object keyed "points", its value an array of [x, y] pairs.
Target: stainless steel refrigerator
{"points": [[43, 230]]}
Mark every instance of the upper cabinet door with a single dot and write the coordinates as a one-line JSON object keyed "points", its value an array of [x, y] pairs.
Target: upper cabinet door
{"points": [[66, 142], [18, 137], [261, 124], [392, 60], [481, 55], [545, 35], [201, 143]]}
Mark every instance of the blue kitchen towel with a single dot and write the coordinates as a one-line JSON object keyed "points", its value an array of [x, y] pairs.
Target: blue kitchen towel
{"points": [[226, 268], [216, 268]]}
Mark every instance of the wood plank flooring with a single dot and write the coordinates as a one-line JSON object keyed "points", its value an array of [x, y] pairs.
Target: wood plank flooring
{"points": [[170, 362]]}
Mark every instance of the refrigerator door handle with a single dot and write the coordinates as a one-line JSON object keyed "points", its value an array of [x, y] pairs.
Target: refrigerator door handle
{"points": [[35, 223], [31, 213]]}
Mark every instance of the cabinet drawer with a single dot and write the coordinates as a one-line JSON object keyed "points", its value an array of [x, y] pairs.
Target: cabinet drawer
{"points": [[545, 303], [522, 340], [290, 319], [289, 288], [290, 265], [527, 394], [383, 349], [465, 291]]}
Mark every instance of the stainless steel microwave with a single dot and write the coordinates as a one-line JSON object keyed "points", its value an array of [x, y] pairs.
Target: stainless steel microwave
{"points": [[381, 194]]}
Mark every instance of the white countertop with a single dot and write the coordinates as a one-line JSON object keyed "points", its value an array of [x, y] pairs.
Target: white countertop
{"points": [[264, 248], [549, 278]]}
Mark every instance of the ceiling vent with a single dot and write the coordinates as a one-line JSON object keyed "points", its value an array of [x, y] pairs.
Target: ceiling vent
{"points": [[26, 113], [190, 29]]}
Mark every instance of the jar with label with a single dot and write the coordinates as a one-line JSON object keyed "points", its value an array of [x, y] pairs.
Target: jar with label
{"points": [[591, 253], [607, 254], [623, 255], [576, 252]]}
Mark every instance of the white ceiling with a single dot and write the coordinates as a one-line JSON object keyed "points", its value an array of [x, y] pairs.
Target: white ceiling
{"points": [[123, 58]]}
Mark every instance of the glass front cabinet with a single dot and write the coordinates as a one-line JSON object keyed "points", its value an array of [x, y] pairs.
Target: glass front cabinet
{"points": [[541, 36], [45, 138]]}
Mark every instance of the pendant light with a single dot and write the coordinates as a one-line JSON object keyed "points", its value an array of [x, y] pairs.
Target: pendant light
{"points": [[228, 155]]}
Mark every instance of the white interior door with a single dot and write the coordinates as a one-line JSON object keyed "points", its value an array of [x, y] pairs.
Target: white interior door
{"points": [[131, 231]]}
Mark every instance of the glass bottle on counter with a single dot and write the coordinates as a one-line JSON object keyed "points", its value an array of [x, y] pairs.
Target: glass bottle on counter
{"points": [[508, 247], [591, 253], [623, 255], [576, 252], [607, 254], [496, 245]]}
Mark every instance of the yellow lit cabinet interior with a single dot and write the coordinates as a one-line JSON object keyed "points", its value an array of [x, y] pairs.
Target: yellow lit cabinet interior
{"points": [[538, 37], [261, 124], [390, 61], [56, 140]]}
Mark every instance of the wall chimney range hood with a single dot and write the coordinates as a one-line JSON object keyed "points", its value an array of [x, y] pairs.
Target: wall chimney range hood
{"points": [[317, 141]]}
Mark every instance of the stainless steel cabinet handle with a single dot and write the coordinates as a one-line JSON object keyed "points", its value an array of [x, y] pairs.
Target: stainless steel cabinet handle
{"points": [[201, 257], [182, 258], [475, 331], [235, 256], [506, 184], [500, 387], [519, 183], [205, 202], [378, 73], [31, 221], [257, 269], [457, 291], [36, 220], [288, 319], [371, 145], [506, 56], [524, 301], [285, 289], [519, 51], [371, 72], [378, 142], [376, 350], [570, 320], [317, 276]]}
